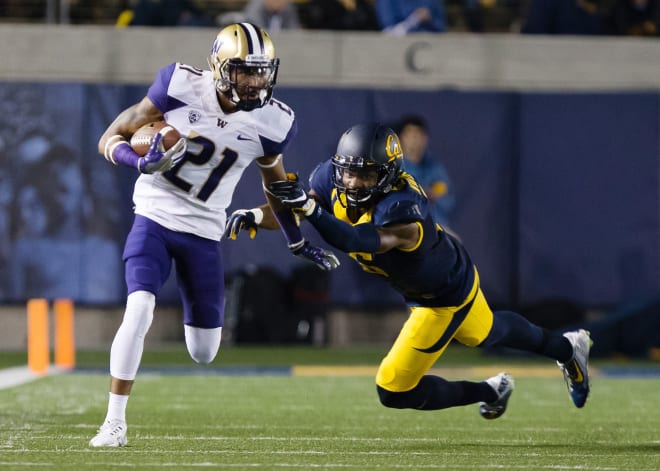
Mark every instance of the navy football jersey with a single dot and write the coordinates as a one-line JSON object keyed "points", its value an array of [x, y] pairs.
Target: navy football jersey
{"points": [[436, 272]]}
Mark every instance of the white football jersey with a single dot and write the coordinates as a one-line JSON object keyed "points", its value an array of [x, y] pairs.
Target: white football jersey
{"points": [[194, 195]]}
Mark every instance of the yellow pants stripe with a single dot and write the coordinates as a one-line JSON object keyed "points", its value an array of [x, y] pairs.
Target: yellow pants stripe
{"points": [[426, 334]]}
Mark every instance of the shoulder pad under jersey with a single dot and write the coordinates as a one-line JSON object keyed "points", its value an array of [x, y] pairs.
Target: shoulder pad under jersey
{"points": [[274, 120], [320, 180], [401, 212]]}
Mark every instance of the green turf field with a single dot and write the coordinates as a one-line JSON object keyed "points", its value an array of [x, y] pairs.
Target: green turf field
{"points": [[331, 421]]}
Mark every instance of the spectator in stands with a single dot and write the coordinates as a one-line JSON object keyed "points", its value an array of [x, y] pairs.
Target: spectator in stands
{"points": [[273, 15], [430, 173], [356, 15], [572, 17], [168, 13], [400, 17], [20, 10], [473, 13], [95, 12], [634, 18], [6, 206], [57, 244]]}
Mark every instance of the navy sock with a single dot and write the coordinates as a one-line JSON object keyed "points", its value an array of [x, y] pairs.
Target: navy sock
{"points": [[556, 346], [433, 393], [514, 331]]}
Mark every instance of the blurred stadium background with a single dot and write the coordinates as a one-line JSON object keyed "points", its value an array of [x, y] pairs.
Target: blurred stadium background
{"points": [[552, 144]]}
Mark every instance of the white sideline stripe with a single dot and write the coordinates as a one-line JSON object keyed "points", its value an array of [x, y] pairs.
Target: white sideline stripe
{"points": [[17, 375], [224, 465], [221, 465]]}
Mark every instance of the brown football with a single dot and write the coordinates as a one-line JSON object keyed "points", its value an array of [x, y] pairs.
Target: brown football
{"points": [[143, 137]]}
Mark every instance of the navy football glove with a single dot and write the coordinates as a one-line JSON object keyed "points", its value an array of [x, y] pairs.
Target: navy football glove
{"points": [[292, 195], [243, 220], [324, 259], [157, 159]]}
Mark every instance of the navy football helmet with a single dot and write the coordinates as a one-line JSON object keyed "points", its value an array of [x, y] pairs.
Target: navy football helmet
{"points": [[367, 149], [247, 50]]}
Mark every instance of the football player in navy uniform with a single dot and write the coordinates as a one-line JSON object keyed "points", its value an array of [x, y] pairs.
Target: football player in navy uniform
{"points": [[362, 203], [228, 119]]}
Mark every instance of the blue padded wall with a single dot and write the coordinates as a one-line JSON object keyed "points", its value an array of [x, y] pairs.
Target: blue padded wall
{"points": [[557, 193]]}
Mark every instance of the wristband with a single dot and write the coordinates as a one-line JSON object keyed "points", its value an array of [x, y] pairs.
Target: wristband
{"points": [[309, 207], [110, 145], [258, 215], [289, 227], [270, 165], [123, 153]]}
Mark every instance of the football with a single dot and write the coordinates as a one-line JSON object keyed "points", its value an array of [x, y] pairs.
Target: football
{"points": [[143, 137]]}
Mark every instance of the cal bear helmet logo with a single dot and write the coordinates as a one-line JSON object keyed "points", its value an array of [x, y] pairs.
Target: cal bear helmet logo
{"points": [[393, 147]]}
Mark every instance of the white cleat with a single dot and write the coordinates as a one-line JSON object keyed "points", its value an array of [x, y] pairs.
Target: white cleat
{"points": [[111, 434], [576, 370], [503, 385]]}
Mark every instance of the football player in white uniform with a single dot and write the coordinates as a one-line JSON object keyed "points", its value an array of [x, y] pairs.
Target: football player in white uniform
{"points": [[228, 119]]}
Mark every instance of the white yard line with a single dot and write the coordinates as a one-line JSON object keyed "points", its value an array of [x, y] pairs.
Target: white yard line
{"points": [[10, 377]]}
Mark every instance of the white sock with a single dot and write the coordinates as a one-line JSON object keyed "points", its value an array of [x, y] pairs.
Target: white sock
{"points": [[116, 407]]}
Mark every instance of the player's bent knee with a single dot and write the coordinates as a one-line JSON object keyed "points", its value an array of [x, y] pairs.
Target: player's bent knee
{"points": [[202, 344], [395, 400], [391, 378], [139, 313], [202, 356]]}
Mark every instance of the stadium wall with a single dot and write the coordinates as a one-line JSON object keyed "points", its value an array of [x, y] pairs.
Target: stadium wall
{"points": [[552, 144]]}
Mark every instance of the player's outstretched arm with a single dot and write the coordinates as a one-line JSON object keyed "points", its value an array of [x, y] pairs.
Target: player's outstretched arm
{"points": [[262, 217], [274, 215], [363, 237], [251, 220]]}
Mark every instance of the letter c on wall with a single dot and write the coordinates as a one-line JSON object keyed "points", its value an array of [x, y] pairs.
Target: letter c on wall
{"points": [[411, 57]]}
